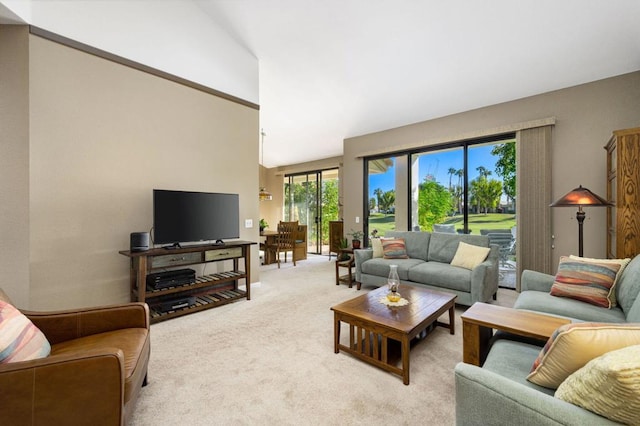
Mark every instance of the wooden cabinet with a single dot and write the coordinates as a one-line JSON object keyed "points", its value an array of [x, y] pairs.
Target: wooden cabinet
{"points": [[204, 292], [336, 234], [623, 191]]}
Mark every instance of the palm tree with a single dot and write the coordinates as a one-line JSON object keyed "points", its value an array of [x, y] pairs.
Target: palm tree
{"points": [[460, 174], [483, 171], [378, 193], [451, 172]]}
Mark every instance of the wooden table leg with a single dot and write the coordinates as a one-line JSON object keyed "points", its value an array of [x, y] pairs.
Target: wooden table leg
{"points": [[452, 319], [405, 359], [336, 333], [475, 343]]}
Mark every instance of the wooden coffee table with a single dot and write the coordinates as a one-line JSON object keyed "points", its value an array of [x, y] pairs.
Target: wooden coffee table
{"points": [[479, 321], [372, 324]]}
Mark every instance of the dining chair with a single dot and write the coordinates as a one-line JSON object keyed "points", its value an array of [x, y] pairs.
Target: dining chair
{"points": [[285, 241]]}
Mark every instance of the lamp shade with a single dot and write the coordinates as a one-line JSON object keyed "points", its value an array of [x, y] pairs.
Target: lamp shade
{"points": [[580, 197]]}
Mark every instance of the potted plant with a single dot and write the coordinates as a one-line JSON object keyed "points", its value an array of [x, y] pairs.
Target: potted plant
{"points": [[344, 243], [356, 238], [263, 225]]}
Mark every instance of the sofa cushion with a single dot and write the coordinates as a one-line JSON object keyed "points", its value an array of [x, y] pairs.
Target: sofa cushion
{"points": [[568, 308], [441, 275], [380, 267], [417, 243], [628, 285], [443, 247], [469, 256], [586, 281], [608, 385], [20, 339], [513, 359], [622, 262], [633, 315], [394, 248], [573, 345]]}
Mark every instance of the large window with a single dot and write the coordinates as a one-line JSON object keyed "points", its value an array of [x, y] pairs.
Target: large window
{"points": [[382, 192], [463, 187]]}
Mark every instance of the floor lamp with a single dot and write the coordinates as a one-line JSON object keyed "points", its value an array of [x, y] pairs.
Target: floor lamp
{"points": [[580, 197]]}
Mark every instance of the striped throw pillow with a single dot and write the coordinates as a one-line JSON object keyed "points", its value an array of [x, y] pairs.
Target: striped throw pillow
{"points": [[20, 339], [394, 248], [590, 282], [623, 264]]}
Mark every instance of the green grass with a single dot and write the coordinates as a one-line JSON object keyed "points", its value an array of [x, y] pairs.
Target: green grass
{"points": [[485, 221], [384, 223]]}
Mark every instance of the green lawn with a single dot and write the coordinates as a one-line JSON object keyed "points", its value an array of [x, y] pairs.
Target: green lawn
{"points": [[384, 223]]}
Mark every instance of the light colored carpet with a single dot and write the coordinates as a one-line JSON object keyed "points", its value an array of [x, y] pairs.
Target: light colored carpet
{"points": [[270, 360]]}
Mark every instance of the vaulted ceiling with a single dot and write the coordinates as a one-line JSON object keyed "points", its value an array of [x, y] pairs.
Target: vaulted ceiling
{"points": [[334, 69]]}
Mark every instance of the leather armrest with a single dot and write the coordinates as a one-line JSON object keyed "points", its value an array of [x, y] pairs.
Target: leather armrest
{"points": [[65, 389], [60, 326]]}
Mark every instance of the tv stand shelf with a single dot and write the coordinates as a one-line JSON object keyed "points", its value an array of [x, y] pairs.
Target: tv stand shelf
{"points": [[205, 292]]}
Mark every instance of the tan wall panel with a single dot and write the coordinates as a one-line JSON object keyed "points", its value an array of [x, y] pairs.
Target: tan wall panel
{"points": [[102, 137], [14, 162]]}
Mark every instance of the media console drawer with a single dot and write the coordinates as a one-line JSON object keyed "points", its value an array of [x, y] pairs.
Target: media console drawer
{"points": [[222, 253], [175, 259]]}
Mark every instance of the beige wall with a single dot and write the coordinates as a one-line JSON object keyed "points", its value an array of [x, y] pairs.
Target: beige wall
{"points": [[14, 162], [102, 136], [586, 115]]}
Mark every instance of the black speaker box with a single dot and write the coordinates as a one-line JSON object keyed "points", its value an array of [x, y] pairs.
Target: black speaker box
{"points": [[139, 241]]}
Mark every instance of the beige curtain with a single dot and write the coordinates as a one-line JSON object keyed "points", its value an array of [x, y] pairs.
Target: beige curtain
{"points": [[533, 165]]}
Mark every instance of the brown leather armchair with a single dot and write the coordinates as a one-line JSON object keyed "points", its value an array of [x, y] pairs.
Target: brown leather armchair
{"points": [[97, 366]]}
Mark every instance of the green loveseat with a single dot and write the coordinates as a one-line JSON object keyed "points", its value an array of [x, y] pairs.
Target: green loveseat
{"points": [[499, 393]]}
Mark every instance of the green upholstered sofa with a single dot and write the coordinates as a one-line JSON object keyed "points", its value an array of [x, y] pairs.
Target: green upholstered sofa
{"points": [[499, 393], [428, 265]]}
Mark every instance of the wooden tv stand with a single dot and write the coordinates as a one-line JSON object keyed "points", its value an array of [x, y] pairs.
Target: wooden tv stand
{"points": [[209, 290]]}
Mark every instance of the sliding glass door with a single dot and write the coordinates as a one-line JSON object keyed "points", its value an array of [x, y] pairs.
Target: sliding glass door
{"points": [[463, 187], [311, 198]]}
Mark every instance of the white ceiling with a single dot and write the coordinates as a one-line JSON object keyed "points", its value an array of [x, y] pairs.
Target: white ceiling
{"points": [[334, 69]]}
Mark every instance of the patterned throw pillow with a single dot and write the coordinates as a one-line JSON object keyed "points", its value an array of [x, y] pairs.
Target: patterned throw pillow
{"points": [[394, 248], [571, 346], [588, 282], [20, 339], [469, 256], [608, 385], [623, 264]]}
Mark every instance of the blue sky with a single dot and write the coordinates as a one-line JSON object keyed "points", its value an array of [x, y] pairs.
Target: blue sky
{"points": [[438, 164]]}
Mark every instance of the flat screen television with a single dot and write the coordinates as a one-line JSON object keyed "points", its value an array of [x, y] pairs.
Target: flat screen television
{"points": [[184, 216]]}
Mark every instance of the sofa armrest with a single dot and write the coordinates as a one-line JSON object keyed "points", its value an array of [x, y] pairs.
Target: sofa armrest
{"points": [[360, 255], [65, 389], [60, 326], [536, 281], [484, 277], [486, 398]]}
